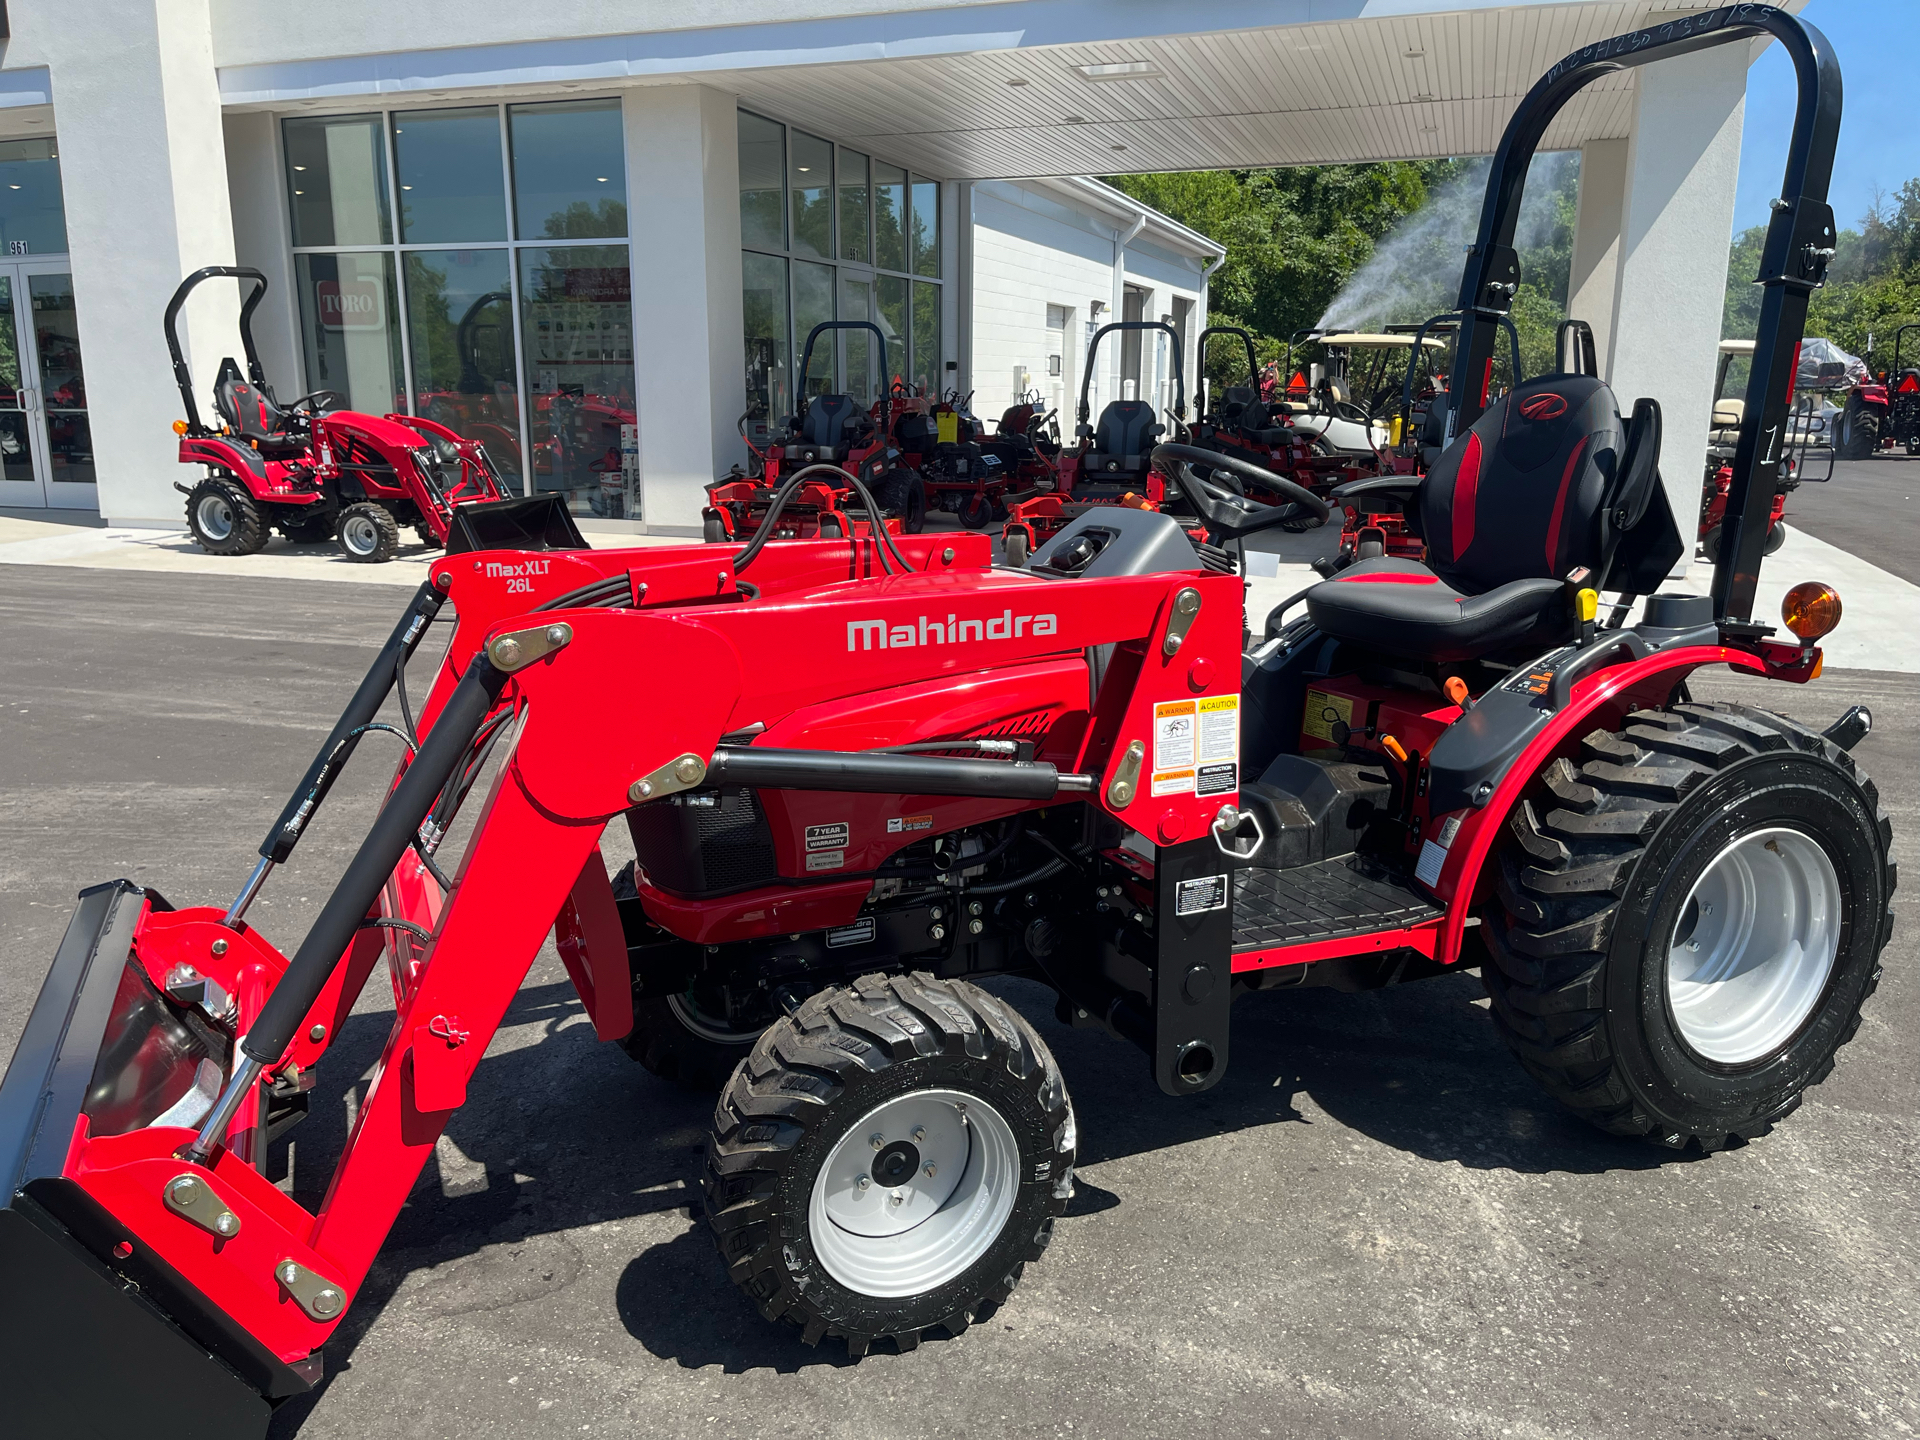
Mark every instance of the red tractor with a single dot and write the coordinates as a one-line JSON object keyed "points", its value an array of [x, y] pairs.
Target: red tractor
{"points": [[883, 769], [1884, 412], [311, 471], [833, 436]]}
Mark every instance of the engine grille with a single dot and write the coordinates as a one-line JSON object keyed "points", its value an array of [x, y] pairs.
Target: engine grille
{"points": [[704, 842]]}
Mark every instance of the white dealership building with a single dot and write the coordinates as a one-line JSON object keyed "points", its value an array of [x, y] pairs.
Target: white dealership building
{"points": [[549, 225]]}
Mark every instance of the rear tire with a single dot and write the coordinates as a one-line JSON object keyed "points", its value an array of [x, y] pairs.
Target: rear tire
{"points": [[1608, 885], [225, 519], [1859, 430], [791, 1141], [368, 533]]}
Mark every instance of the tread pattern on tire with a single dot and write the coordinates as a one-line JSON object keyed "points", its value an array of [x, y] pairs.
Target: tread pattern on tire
{"points": [[798, 1067], [250, 529], [383, 521], [1573, 844]]}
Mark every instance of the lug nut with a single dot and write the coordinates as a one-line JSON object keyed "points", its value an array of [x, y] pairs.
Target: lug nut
{"points": [[919, 1134], [929, 1170], [876, 1140], [896, 1197], [865, 1182]]}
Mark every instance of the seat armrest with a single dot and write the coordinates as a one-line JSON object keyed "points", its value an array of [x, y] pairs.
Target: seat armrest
{"points": [[1396, 487]]}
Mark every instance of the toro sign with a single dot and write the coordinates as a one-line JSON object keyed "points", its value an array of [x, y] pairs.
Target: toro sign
{"points": [[349, 305]]}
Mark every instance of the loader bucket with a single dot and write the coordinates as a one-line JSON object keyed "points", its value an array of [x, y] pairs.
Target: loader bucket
{"points": [[98, 1337], [538, 522]]}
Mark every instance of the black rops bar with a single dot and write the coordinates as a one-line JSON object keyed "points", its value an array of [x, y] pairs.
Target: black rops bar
{"points": [[867, 773], [1093, 345], [182, 376], [1799, 244], [339, 745], [440, 755]]}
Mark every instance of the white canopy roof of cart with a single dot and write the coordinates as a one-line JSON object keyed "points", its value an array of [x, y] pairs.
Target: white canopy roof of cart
{"points": [[1008, 88]]}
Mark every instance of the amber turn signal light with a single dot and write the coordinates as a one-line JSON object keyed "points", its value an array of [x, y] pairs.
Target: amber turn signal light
{"points": [[179, 427], [1811, 609]]}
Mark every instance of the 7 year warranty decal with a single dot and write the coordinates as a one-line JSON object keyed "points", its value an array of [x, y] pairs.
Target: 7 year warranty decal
{"points": [[1196, 746]]}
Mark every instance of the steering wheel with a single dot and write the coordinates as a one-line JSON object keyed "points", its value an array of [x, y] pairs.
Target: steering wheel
{"points": [[312, 402], [1348, 410], [1231, 515]]}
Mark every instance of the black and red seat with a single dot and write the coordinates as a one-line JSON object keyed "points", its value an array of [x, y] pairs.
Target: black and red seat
{"points": [[1548, 481], [249, 410]]}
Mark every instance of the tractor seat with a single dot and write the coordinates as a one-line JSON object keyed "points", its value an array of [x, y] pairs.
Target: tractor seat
{"points": [[828, 420], [1235, 401], [1122, 439], [1549, 480], [249, 410]]}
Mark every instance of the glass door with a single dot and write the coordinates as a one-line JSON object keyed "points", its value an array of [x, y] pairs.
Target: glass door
{"points": [[20, 480], [59, 387]]}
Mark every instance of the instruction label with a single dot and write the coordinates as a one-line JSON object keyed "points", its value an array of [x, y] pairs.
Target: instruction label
{"points": [[1197, 896]]}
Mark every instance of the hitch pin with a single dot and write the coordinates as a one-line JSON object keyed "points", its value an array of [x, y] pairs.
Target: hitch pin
{"points": [[247, 891]]}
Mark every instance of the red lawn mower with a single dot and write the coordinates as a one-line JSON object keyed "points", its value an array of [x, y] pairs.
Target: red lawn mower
{"points": [[1885, 412], [1110, 465], [311, 471], [968, 472], [883, 769], [832, 437]]}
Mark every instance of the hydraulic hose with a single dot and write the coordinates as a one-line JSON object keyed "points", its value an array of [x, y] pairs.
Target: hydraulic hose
{"points": [[441, 754]]}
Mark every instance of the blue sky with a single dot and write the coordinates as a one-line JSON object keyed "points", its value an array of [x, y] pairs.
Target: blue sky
{"points": [[1879, 144]]}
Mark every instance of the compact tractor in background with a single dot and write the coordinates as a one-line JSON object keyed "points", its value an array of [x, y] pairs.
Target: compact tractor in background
{"points": [[313, 471], [864, 774], [833, 435], [1884, 410]]}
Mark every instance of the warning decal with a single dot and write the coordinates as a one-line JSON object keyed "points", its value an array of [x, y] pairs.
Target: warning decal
{"points": [[1323, 712], [1175, 743], [1219, 730]]}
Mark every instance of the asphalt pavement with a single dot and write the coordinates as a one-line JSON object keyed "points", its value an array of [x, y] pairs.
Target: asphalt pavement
{"points": [[1374, 1227], [1869, 507]]}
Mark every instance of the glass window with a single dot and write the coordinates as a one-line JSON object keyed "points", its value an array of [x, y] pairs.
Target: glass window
{"points": [[926, 228], [460, 331], [569, 170], [63, 389], [763, 281], [926, 338], [811, 186], [31, 210], [350, 320], [855, 221], [812, 305], [763, 163], [890, 295], [856, 303], [337, 176], [451, 186], [576, 320], [889, 216]]}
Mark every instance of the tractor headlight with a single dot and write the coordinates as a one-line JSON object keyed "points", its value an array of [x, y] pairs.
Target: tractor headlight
{"points": [[1811, 609]]}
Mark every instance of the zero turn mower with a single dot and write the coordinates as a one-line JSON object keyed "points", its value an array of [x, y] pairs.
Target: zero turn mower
{"points": [[882, 770], [833, 435], [311, 471]]}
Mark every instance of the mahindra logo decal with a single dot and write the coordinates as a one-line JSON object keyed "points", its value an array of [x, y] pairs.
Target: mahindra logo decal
{"points": [[881, 635], [1545, 406]]}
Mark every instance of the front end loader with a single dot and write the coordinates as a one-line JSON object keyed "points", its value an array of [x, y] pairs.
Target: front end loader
{"points": [[863, 774]]}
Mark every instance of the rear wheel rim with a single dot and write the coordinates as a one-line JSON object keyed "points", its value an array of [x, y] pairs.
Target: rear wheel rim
{"points": [[1754, 946], [698, 1023], [215, 517], [360, 534], [941, 1171]]}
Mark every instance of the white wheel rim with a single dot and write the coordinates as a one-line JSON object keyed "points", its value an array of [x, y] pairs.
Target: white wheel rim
{"points": [[906, 1231], [216, 517], [361, 534], [1754, 945]]}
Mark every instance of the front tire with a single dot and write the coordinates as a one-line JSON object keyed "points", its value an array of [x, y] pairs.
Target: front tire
{"points": [[955, 1204], [225, 519], [368, 533], [1690, 921]]}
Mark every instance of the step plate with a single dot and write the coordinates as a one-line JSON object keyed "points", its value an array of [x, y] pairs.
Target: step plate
{"points": [[1324, 901]]}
